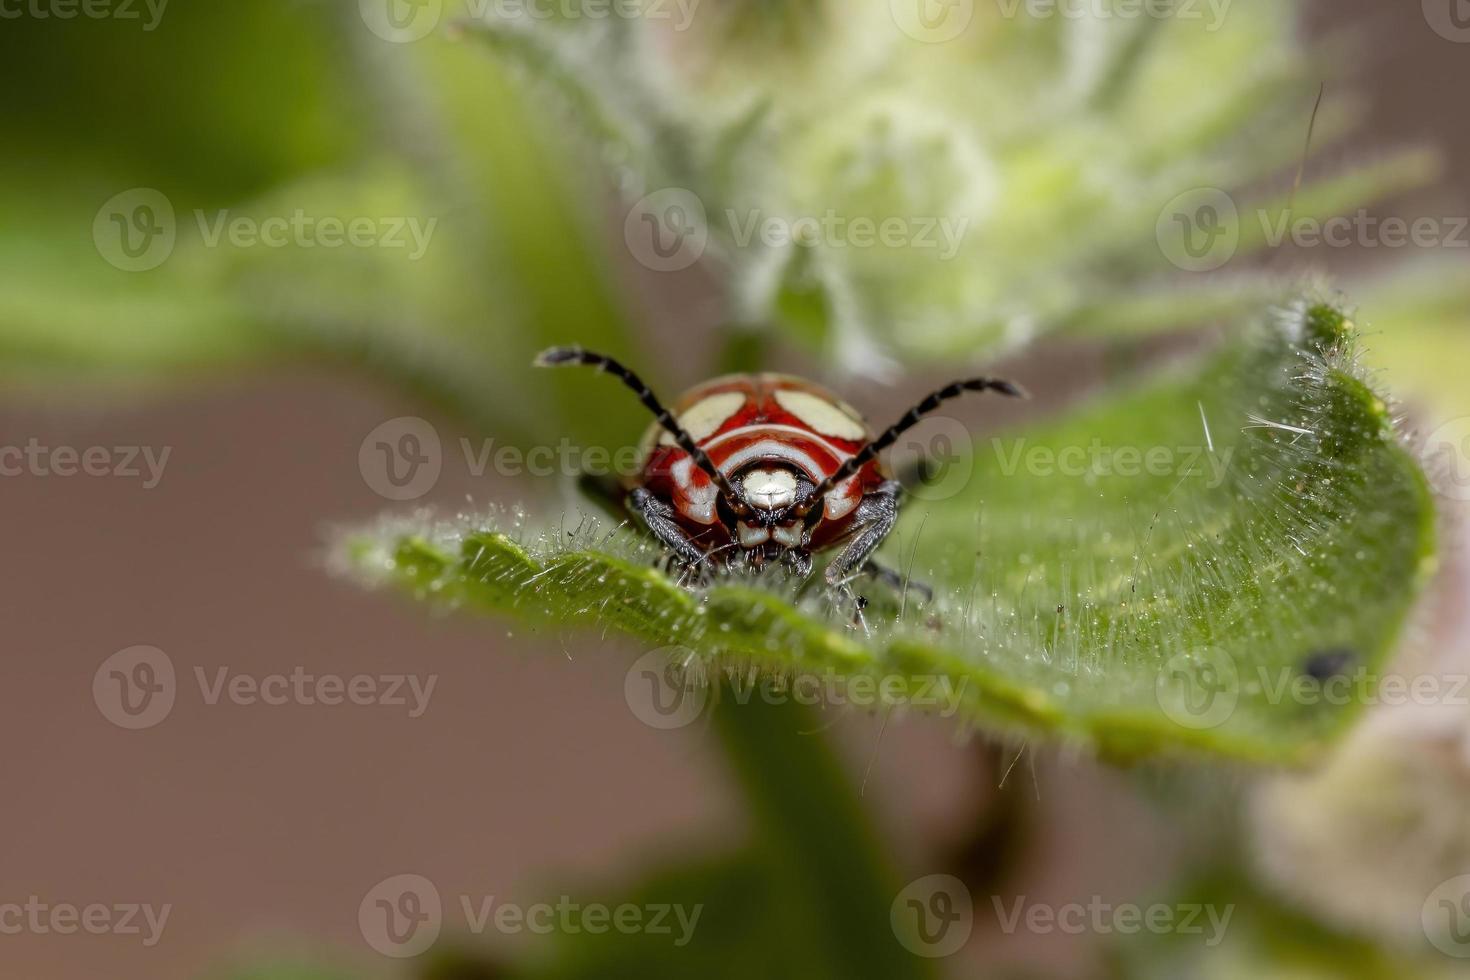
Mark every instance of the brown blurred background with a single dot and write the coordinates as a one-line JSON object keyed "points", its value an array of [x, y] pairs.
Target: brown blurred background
{"points": [[264, 826]]}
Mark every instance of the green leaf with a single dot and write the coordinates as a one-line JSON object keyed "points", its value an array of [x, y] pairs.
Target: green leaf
{"points": [[266, 100], [1054, 150], [1264, 937], [807, 897], [1148, 575]]}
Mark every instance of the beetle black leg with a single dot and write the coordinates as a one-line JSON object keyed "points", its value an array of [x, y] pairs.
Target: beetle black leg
{"points": [[798, 562], [875, 517], [898, 583], [659, 518]]}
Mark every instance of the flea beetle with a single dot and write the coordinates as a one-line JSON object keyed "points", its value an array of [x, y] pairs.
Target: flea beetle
{"points": [[766, 469]]}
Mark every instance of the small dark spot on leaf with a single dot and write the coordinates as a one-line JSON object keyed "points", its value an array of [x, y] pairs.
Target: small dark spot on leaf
{"points": [[1327, 664]]}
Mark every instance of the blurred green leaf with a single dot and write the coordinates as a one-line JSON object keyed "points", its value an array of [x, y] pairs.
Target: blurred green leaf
{"points": [[1053, 152], [807, 897], [482, 252], [1263, 937], [1418, 322], [1146, 576]]}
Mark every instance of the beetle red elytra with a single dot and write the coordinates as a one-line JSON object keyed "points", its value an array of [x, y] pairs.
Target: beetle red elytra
{"points": [[767, 469]]}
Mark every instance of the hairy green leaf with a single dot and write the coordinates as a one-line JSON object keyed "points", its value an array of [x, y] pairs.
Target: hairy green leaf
{"points": [[1057, 155], [1153, 573]]}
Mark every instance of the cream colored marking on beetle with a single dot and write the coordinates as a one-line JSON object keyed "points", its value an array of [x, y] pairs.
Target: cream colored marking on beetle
{"points": [[787, 535], [840, 500], [702, 419], [770, 489], [769, 449], [773, 434], [752, 536], [821, 414], [701, 499]]}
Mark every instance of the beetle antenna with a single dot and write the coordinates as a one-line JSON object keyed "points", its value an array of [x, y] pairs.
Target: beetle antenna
{"points": [[563, 356], [910, 419]]}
